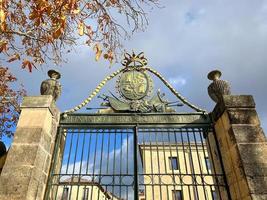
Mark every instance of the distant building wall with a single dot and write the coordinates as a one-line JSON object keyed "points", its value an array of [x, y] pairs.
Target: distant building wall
{"points": [[156, 161]]}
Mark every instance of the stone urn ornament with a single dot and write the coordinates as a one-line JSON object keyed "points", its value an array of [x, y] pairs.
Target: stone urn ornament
{"points": [[52, 86], [218, 87]]}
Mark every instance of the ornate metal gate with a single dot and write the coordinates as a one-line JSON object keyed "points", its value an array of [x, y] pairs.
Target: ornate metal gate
{"points": [[136, 149]]}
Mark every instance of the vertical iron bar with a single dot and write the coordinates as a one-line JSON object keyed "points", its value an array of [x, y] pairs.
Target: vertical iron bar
{"points": [[75, 156], [81, 163], [121, 132], [135, 163], [158, 161], [89, 150], [191, 162], [101, 156], [53, 163], [201, 172], [171, 155], [164, 158], [61, 133], [94, 165], [144, 161], [151, 164], [114, 162]]}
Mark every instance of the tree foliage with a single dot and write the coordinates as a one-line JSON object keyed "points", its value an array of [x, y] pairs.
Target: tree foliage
{"points": [[9, 102], [34, 32]]}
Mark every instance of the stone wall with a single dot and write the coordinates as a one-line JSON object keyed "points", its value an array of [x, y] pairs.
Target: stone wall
{"points": [[26, 170], [243, 147]]}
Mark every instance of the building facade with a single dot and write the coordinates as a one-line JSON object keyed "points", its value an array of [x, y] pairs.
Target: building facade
{"points": [[177, 172]]}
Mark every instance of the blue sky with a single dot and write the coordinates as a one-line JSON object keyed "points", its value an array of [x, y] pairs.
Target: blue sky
{"points": [[184, 41]]}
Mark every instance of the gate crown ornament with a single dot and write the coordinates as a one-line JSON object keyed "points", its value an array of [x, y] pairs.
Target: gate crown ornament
{"points": [[134, 86]]}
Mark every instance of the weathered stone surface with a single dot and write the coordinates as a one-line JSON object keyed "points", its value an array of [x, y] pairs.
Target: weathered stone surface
{"points": [[44, 101], [28, 135], [257, 184], [36, 118], [232, 101], [246, 134], [253, 153], [259, 196], [244, 116], [243, 146], [21, 155], [238, 101], [256, 169], [25, 173]]}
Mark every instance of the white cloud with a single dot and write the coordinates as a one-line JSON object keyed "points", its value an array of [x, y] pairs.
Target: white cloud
{"points": [[177, 81]]}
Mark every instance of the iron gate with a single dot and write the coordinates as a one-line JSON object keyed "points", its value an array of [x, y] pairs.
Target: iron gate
{"points": [[136, 156]]}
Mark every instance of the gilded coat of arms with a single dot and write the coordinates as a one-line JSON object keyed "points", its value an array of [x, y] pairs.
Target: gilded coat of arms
{"points": [[134, 85]]}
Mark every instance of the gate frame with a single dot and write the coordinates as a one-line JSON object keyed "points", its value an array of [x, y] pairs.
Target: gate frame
{"points": [[134, 121]]}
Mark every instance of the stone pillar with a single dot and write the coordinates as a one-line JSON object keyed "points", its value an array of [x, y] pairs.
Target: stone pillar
{"points": [[25, 172], [243, 147]]}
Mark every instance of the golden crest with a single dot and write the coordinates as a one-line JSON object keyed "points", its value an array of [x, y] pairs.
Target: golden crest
{"points": [[134, 85]]}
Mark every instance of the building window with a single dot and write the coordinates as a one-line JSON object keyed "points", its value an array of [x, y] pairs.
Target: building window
{"points": [[173, 163], [85, 194], [207, 162], [65, 194], [214, 195], [177, 195]]}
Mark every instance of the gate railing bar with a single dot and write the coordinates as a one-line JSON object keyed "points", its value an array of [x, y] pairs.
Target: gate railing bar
{"points": [[92, 190], [165, 160], [61, 157], [151, 165], [53, 163], [192, 168], [201, 169], [160, 189], [101, 158], [136, 184], [114, 161], [75, 156]]}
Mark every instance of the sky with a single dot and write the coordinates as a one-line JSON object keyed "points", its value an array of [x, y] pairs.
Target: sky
{"points": [[184, 41]]}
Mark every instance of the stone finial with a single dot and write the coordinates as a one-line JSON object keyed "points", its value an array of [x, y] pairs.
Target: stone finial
{"points": [[218, 87], [52, 86]]}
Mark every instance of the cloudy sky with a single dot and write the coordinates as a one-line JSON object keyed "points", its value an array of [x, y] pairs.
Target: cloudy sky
{"points": [[184, 41]]}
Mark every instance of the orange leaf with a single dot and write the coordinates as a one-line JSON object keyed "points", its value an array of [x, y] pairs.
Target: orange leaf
{"points": [[14, 57], [57, 33], [27, 64], [98, 51]]}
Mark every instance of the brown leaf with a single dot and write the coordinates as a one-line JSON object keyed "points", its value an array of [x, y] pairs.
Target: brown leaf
{"points": [[89, 31], [14, 57], [27, 64], [57, 33], [3, 46]]}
